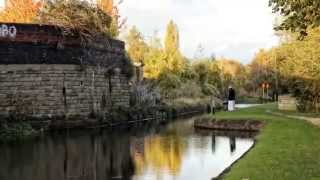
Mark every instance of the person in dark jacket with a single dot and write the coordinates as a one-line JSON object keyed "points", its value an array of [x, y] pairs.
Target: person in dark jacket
{"points": [[231, 99]]}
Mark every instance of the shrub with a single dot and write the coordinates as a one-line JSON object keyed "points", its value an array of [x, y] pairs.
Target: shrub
{"points": [[307, 92], [168, 82], [89, 20]]}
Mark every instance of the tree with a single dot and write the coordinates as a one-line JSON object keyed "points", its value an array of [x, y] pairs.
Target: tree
{"points": [[175, 76], [109, 7], [298, 15], [229, 66], [20, 11], [155, 59], [137, 48], [292, 67], [175, 60], [261, 70], [172, 39], [208, 76], [232, 73]]}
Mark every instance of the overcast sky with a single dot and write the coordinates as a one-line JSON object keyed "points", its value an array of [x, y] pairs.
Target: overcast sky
{"points": [[228, 28]]}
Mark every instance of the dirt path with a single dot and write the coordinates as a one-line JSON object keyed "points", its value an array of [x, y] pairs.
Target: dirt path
{"points": [[315, 121]]}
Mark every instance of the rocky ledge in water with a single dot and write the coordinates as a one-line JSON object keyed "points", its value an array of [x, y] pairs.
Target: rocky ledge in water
{"points": [[228, 125]]}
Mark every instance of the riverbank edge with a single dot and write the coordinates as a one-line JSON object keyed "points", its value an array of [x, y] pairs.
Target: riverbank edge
{"points": [[228, 125], [290, 132], [117, 119], [228, 169], [235, 125]]}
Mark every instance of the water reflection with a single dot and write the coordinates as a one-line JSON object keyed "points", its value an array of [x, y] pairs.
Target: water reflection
{"points": [[161, 154], [76, 156], [175, 151]]}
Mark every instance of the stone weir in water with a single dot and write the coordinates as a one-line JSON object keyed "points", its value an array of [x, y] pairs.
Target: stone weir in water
{"points": [[47, 77]]}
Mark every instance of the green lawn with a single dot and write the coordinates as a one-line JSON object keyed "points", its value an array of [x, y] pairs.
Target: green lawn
{"points": [[285, 149], [249, 100]]}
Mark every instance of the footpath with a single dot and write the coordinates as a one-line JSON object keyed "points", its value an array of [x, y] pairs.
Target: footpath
{"points": [[315, 121]]}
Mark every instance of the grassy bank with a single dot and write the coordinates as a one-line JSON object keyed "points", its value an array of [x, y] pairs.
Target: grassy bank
{"points": [[296, 113], [286, 148], [249, 100]]}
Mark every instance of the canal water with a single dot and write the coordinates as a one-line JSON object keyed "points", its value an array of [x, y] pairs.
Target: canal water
{"points": [[168, 152]]}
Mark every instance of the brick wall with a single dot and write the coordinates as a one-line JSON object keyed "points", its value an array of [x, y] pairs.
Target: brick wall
{"points": [[44, 74], [58, 90]]}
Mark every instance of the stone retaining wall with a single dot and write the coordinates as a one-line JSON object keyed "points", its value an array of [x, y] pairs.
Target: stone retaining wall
{"points": [[59, 90], [45, 74]]}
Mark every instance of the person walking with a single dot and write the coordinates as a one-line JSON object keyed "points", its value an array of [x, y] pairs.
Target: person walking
{"points": [[231, 99]]}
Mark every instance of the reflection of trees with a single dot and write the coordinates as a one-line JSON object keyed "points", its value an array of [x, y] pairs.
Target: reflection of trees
{"points": [[66, 158], [161, 153]]}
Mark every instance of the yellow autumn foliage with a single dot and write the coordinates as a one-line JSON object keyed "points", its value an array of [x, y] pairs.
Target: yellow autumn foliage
{"points": [[161, 154], [20, 11]]}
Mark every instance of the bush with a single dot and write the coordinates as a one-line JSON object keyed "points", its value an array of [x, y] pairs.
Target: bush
{"points": [[168, 82], [307, 92], [189, 89], [89, 20]]}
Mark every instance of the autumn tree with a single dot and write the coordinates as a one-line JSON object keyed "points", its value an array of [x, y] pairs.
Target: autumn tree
{"points": [[20, 11], [232, 73], [292, 67], [111, 8], [107, 6], [230, 66], [136, 46], [172, 39], [262, 70], [175, 60], [170, 72], [299, 62], [208, 76], [298, 15], [155, 59]]}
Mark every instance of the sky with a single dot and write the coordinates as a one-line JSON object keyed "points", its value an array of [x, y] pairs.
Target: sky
{"points": [[226, 28]]}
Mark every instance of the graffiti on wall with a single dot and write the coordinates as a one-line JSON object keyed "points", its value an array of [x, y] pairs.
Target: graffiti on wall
{"points": [[7, 31]]}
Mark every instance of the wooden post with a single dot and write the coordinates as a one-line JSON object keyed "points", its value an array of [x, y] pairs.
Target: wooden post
{"points": [[263, 86], [268, 86]]}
